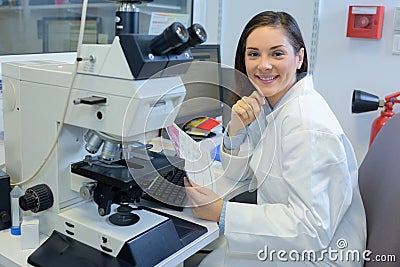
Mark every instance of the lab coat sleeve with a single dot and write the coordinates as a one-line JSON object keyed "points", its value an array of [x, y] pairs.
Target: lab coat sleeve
{"points": [[237, 167], [316, 175]]}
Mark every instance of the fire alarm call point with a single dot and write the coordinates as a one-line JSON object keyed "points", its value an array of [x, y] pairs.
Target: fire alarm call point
{"points": [[365, 22]]}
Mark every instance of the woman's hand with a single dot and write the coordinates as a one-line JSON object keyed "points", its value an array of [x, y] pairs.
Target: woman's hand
{"points": [[245, 111], [206, 204]]}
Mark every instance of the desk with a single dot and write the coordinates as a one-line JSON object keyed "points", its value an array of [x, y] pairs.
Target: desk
{"points": [[11, 254]]}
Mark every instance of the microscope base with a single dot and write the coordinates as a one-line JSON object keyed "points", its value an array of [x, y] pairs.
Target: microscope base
{"points": [[147, 248], [61, 250]]}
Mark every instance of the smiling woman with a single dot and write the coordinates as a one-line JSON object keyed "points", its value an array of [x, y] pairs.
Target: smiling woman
{"points": [[284, 138], [271, 62]]}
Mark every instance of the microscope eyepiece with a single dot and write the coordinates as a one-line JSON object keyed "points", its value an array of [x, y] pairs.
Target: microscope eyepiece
{"points": [[173, 36], [197, 35]]}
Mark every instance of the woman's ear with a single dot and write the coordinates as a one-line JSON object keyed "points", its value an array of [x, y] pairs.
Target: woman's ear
{"points": [[300, 58]]}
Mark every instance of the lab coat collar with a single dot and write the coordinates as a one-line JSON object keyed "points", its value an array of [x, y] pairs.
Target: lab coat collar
{"points": [[299, 88]]}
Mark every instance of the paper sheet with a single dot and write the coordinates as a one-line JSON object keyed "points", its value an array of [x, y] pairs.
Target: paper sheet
{"points": [[197, 156], [159, 21]]}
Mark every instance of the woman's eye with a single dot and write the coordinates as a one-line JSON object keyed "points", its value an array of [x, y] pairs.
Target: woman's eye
{"points": [[277, 54], [252, 54]]}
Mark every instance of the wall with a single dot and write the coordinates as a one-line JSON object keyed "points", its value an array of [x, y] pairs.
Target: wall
{"points": [[344, 64], [208, 14]]}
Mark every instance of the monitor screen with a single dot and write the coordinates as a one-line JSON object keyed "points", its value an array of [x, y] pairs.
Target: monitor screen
{"points": [[202, 83]]}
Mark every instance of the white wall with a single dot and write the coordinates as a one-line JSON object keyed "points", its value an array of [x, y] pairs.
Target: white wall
{"points": [[207, 13], [344, 64]]}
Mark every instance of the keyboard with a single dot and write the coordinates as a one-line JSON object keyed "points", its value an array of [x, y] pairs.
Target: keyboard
{"points": [[167, 190]]}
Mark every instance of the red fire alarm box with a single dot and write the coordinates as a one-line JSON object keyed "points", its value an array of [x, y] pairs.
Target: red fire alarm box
{"points": [[365, 22]]}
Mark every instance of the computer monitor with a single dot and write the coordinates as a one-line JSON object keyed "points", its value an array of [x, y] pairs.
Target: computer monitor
{"points": [[202, 83]]}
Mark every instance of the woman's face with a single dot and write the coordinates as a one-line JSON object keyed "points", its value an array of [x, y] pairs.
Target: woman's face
{"points": [[271, 62]]}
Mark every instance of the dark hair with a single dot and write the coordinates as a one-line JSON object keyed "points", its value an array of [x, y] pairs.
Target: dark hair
{"points": [[273, 19]]}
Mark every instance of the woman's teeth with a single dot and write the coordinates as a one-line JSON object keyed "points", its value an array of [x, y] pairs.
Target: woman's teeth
{"points": [[267, 79]]}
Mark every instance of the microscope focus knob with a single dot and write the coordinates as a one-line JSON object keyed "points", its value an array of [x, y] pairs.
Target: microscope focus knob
{"points": [[37, 198], [4, 217], [87, 190]]}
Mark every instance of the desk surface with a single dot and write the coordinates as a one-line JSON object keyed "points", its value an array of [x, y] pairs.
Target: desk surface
{"points": [[11, 254]]}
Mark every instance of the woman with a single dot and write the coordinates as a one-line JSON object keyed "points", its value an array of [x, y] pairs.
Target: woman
{"points": [[308, 202]]}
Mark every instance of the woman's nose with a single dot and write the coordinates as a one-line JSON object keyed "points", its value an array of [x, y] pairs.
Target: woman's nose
{"points": [[264, 64]]}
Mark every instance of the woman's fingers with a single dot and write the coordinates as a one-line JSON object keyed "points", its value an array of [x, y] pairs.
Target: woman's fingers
{"points": [[199, 195], [252, 105], [245, 111], [260, 98], [205, 203], [241, 111]]}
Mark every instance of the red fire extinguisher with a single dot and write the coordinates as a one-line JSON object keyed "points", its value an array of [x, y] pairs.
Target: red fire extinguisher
{"points": [[363, 102]]}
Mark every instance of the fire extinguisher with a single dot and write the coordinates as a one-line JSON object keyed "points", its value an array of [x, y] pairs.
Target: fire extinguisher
{"points": [[363, 102]]}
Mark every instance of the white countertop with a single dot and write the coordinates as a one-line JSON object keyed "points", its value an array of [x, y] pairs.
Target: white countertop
{"points": [[11, 254]]}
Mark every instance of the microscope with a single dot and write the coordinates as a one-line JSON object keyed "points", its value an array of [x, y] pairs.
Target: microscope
{"points": [[121, 94]]}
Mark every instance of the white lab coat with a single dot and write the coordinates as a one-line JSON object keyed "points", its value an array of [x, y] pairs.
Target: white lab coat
{"points": [[308, 197]]}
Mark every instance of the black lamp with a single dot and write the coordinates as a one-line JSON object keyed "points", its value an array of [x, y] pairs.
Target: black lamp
{"points": [[364, 102]]}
